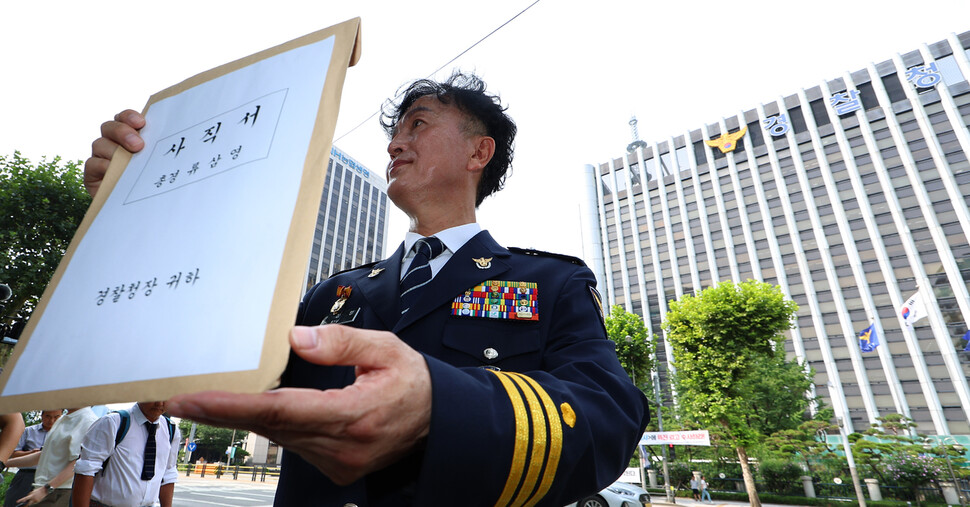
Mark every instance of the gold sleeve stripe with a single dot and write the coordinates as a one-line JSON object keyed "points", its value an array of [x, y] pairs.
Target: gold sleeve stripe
{"points": [[539, 443], [521, 439], [555, 440]]}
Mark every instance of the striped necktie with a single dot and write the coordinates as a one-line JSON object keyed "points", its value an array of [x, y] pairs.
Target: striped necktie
{"points": [[419, 272], [148, 466]]}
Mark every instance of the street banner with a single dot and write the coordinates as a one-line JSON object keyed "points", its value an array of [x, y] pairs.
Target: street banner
{"points": [[694, 437], [631, 475]]}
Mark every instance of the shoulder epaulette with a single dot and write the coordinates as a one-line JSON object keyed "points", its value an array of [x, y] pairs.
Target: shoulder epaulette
{"points": [[348, 270], [540, 253]]}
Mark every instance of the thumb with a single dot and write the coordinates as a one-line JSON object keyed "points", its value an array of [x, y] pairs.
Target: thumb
{"points": [[334, 344]]}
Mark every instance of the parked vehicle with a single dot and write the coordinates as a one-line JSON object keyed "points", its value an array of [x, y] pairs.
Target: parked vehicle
{"points": [[618, 494]]}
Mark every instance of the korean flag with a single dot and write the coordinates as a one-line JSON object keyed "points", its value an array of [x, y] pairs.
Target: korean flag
{"points": [[913, 309]]}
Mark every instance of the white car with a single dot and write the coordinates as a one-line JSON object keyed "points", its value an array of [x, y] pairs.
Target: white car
{"points": [[618, 494]]}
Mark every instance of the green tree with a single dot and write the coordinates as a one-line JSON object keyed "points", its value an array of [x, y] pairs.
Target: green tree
{"points": [[884, 441], [41, 206], [913, 471], [633, 348], [211, 441], [780, 476], [806, 442], [719, 338]]}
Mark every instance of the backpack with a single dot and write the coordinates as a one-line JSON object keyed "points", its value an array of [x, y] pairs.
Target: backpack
{"points": [[125, 425]]}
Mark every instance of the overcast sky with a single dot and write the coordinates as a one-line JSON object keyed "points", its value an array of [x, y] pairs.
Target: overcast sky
{"points": [[571, 72]]}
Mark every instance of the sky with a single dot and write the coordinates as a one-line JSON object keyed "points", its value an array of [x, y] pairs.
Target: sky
{"points": [[572, 73]]}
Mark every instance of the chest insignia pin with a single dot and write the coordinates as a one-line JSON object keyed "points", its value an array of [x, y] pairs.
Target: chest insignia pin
{"points": [[374, 272], [343, 294], [482, 262]]}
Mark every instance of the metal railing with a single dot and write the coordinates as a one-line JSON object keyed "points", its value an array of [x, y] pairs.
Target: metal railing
{"points": [[262, 472]]}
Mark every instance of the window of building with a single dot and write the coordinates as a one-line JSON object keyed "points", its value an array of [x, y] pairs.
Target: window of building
{"points": [[893, 87], [797, 119], [819, 112], [950, 70], [699, 152], [868, 96]]}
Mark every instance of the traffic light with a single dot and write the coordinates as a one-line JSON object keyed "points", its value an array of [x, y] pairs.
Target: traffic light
{"points": [[671, 453]]}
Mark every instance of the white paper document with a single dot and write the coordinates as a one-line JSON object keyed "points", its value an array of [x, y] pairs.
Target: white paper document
{"points": [[176, 274]]}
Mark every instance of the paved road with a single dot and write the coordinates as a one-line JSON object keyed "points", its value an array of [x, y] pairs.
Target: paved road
{"points": [[208, 492]]}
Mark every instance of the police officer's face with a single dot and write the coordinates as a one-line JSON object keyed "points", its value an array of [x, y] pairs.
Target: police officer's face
{"points": [[49, 417], [429, 153]]}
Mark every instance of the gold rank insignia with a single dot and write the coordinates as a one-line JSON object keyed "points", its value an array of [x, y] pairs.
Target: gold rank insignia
{"points": [[568, 415], [343, 294], [538, 443], [482, 262]]}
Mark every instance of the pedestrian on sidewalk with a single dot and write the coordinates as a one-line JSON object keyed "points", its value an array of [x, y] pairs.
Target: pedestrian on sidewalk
{"points": [[704, 492], [695, 488]]}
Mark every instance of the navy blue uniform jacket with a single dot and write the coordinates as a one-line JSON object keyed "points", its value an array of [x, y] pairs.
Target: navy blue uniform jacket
{"points": [[523, 412]]}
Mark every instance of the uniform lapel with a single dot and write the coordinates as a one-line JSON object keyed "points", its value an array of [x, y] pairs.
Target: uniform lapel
{"points": [[382, 291], [458, 275]]}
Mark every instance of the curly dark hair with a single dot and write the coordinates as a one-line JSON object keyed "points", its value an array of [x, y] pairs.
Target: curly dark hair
{"points": [[467, 92]]}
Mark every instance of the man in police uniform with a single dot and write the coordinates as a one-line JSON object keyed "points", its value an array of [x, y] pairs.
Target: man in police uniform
{"points": [[493, 383]]}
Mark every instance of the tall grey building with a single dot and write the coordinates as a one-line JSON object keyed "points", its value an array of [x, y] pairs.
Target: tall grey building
{"points": [[851, 195], [352, 221]]}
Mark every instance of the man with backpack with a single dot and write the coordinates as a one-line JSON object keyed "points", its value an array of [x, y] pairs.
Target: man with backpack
{"points": [[55, 462], [128, 458]]}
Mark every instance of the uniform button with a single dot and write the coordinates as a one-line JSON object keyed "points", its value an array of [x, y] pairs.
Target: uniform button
{"points": [[350, 505], [490, 353]]}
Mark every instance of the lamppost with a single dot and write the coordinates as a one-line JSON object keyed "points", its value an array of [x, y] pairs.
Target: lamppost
{"points": [[660, 425], [860, 496], [949, 465]]}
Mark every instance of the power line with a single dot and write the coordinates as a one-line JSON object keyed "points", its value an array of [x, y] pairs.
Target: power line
{"points": [[449, 62]]}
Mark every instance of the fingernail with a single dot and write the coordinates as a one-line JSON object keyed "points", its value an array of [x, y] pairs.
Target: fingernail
{"points": [[303, 337], [133, 141]]}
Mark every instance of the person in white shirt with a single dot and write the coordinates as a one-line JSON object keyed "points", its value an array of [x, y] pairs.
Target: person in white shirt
{"points": [[30, 442], [132, 477], [704, 492], [55, 462]]}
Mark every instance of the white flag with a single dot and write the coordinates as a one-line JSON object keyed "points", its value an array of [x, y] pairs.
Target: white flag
{"points": [[913, 309]]}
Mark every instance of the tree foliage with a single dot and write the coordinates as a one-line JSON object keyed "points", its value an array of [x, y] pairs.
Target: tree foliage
{"points": [[913, 471], [41, 206], [634, 349], [211, 441], [726, 344], [720, 338], [806, 442]]}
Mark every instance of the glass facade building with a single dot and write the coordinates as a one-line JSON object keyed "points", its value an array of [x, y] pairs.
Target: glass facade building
{"points": [[851, 195], [352, 221]]}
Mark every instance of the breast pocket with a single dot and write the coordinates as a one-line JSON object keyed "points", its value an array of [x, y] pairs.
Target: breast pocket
{"points": [[505, 345]]}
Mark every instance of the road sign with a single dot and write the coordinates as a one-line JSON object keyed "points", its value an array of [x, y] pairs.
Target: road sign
{"points": [[192, 446]]}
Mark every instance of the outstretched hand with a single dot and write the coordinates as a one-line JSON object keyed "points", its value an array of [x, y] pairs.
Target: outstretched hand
{"points": [[346, 433], [122, 131]]}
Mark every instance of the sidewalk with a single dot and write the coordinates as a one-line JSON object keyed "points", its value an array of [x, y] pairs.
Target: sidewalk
{"points": [[659, 500]]}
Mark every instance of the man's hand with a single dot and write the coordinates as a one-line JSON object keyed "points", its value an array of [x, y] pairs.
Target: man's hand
{"points": [[122, 131], [35, 496], [346, 433]]}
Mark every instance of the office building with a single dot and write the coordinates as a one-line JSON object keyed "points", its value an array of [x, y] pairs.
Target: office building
{"points": [[851, 195], [352, 221]]}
